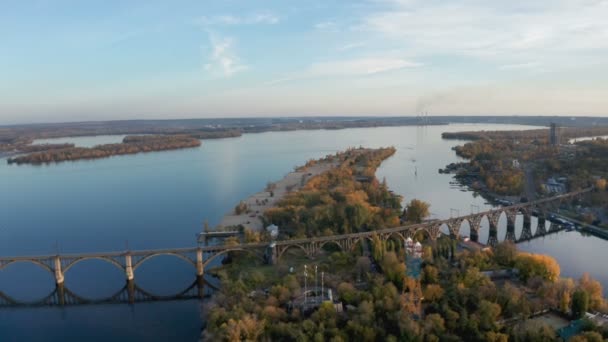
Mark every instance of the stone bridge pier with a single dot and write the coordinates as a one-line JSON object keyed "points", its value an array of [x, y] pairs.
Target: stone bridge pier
{"points": [[59, 279]]}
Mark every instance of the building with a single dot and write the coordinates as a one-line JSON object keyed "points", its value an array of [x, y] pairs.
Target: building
{"points": [[556, 186], [554, 134], [273, 230]]}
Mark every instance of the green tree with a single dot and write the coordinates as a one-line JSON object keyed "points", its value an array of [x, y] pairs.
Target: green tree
{"points": [[580, 303], [417, 210], [505, 253]]}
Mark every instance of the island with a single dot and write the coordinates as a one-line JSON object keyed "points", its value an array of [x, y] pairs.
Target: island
{"points": [[420, 289], [43, 154]]}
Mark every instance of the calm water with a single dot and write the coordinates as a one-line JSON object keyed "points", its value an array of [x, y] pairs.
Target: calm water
{"points": [[160, 200]]}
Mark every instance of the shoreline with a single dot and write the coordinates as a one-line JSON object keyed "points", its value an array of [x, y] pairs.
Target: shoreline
{"points": [[259, 202]]}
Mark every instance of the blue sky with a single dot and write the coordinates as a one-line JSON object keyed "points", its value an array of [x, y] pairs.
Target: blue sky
{"points": [[77, 60]]}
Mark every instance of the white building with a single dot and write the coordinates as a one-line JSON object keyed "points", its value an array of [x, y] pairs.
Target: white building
{"points": [[273, 230]]}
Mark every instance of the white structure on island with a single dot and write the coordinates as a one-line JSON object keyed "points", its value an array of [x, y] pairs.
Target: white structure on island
{"points": [[273, 230], [413, 248]]}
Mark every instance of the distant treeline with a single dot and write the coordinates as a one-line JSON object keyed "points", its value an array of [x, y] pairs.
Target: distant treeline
{"points": [[539, 134], [130, 145]]}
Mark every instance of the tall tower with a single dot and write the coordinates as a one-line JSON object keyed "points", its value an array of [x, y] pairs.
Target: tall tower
{"points": [[554, 135]]}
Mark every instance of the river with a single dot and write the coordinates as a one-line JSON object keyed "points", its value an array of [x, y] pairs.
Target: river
{"points": [[161, 199]]}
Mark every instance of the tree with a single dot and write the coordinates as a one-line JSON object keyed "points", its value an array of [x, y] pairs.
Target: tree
{"points": [[430, 275], [593, 289], [434, 324], [588, 336], [580, 303], [505, 253], [417, 210], [531, 265], [433, 293]]}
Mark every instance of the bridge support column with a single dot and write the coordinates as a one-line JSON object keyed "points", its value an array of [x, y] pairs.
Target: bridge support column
{"points": [[200, 284], [59, 279], [129, 267], [199, 263], [60, 294], [131, 291]]}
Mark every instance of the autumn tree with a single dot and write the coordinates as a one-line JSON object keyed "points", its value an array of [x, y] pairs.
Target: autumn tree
{"points": [[594, 290], [530, 265], [580, 303], [416, 211], [505, 253]]}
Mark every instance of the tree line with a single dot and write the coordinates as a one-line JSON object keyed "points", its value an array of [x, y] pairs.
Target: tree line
{"points": [[130, 145]]}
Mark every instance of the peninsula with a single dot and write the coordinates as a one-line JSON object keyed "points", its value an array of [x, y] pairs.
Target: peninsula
{"points": [[347, 178]]}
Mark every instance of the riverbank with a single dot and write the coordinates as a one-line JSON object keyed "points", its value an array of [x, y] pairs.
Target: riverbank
{"points": [[252, 208]]}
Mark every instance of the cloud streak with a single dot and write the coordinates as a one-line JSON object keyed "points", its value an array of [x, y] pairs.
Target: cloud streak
{"points": [[223, 60]]}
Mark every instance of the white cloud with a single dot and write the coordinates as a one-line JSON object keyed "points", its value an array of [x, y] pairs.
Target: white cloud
{"points": [[350, 46], [492, 29], [250, 19], [223, 59]]}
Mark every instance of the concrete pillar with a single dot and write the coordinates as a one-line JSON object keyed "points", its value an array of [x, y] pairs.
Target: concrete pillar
{"points": [[61, 294], [200, 284], [58, 272], [199, 263], [129, 267], [131, 291]]}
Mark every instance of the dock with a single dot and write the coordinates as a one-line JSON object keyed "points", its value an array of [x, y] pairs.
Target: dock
{"points": [[203, 237]]}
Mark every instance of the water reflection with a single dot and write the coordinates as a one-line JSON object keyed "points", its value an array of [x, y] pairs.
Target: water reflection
{"points": [[130, 293]]}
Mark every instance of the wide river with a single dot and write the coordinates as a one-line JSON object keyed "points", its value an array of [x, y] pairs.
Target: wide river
{"points": [[160, 200]]}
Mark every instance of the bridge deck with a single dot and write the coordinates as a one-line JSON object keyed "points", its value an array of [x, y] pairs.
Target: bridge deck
{"points": [[220, 248]]}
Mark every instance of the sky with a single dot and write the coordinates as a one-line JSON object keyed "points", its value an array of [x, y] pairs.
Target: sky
{"points": [[73, 60]]}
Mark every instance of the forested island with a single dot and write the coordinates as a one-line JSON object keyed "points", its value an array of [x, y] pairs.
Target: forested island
{"points": [[449, 294], [130, 145], [345, 199]]}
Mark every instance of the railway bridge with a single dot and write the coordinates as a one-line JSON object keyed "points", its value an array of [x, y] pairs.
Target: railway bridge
{"points": [[201, 258]]}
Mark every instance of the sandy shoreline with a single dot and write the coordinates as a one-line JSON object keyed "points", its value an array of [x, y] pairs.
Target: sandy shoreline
{"points": [[263, 200]]}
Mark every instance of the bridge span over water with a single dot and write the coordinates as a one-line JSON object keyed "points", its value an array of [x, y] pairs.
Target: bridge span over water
{"points": [[201, 258]]}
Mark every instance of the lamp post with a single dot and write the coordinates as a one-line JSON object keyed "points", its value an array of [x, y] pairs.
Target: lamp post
{"points": [[305, 284], [322, 291], [316, 285]]}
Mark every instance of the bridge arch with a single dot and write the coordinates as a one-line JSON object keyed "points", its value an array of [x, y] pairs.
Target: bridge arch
{"points": [[35, 262], [357, 240], [287, 247], [397, 236], [106, 259], [154, 255], [322, 244], [425, 231], [215, 256]]}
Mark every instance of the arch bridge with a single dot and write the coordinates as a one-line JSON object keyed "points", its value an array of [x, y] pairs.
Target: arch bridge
{"points": [[201, 257]]}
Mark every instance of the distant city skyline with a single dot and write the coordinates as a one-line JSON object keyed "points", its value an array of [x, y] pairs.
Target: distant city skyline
{"points": [[112, 60]]}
